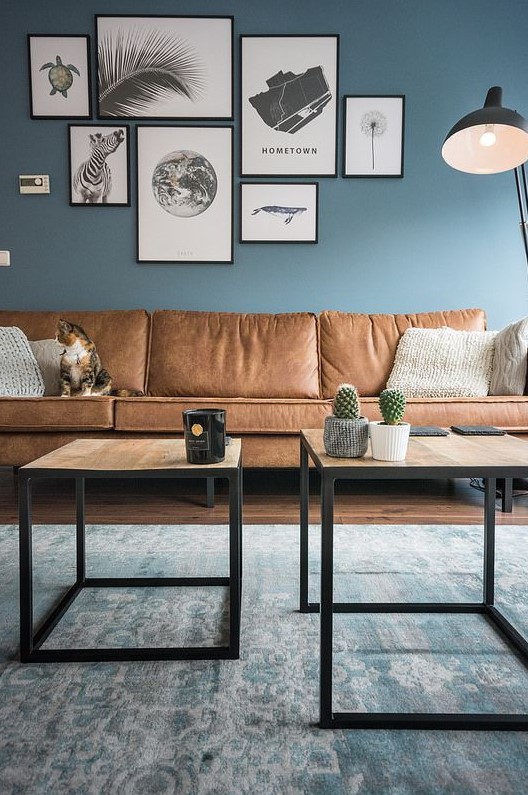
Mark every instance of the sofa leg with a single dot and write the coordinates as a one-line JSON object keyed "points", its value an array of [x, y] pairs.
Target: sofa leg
{"points": [[507, 495], [210, 500]]}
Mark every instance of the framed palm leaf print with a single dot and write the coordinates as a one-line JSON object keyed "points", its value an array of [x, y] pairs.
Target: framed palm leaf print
{"points": [[159, 67]]}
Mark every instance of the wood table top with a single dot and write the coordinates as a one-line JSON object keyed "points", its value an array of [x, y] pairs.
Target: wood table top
{"points": [[129, 455], [429, 452]]}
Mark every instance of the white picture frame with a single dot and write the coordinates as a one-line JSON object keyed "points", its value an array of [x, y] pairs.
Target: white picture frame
{"points": [[289, 102], [184, 194]]}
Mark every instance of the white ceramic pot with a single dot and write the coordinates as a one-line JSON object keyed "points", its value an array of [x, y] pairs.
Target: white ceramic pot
{"points": [[389, 442]]}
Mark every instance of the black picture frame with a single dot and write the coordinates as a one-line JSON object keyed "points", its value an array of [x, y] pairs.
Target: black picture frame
{"points": [[279, 212], [193, 56], [100, 181], [373, 135], [175, 223], [50, 57], [299, 140]]}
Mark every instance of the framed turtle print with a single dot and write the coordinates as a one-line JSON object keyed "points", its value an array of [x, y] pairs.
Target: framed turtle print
{"points": [[373, 135], [99, 165], [280, 212], [184, 194], [59, 76], [164, 67], [289, 105]]}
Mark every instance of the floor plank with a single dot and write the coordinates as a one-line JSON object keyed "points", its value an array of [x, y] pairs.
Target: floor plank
{"points": [[270, 497]]}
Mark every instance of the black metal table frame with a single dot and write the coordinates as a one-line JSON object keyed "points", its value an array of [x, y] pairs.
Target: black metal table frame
{"points": [[31, 640], [327, 607]]}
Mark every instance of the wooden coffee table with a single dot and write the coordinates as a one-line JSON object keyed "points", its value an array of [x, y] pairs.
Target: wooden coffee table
{"points": [[452, 456], [127, 458]]}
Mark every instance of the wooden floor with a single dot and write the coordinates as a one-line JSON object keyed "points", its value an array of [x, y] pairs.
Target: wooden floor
{"points": [[270, 497]]}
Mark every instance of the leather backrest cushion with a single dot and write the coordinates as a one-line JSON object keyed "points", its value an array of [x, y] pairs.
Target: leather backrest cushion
{"points": [[227, 354], [121, 338], [359, 348]]}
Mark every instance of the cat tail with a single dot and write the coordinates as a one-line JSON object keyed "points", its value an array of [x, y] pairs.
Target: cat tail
{"points": [[126, 393]]}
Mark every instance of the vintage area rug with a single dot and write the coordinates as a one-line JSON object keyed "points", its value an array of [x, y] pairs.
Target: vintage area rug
{"points": [[250, 725]]}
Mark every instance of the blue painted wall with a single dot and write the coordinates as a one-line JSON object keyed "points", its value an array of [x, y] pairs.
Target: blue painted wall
{"points": [[436, 239]]}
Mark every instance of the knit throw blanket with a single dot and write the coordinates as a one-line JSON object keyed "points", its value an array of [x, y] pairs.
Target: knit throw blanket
{"points": [[20, 375]]}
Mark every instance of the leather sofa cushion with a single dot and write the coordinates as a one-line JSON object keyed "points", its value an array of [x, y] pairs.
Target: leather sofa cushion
{"points": [[121, 338], [226, 354], [56, 413], [510, 412], [242, 415], [359, 349]]}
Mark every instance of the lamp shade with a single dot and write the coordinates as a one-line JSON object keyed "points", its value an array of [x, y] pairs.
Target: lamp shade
{"points": [[489, 140]]}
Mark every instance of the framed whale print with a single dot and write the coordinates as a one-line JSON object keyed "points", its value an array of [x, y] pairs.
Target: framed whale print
{"points": [[289, 101], [164, 67], [59, 76], [281, 212], [184, 194], [99, 165], [373, 135]]}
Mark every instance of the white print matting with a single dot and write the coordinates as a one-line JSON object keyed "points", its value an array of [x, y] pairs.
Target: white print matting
{"points": [[70, 87], [278, 213], [373, 141], [289, 83], [184, 188], [87, 185]]}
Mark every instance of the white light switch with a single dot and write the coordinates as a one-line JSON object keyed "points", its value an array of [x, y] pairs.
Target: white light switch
{"points": [[5, 258]]}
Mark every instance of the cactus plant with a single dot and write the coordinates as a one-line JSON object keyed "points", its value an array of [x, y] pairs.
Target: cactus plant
{"points": [[392, 406], [345, 431], [346, 402]]}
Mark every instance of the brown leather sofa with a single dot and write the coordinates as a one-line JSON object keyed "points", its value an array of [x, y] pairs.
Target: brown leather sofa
{"points": [[273, 373]]}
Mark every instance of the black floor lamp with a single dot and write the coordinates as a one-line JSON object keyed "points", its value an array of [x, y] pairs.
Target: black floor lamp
{"points": [[490, 140]]}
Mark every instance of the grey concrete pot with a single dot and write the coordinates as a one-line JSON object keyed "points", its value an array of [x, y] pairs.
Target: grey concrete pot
{"points": [[345, 438]]}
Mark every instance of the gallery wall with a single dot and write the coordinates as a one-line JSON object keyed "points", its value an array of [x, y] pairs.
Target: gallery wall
{"points": [[435, 239]]}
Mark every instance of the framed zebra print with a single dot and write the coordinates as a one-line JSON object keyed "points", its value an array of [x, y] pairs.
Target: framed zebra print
{"points": [[184, 194], [164, 67], [99, 157]]}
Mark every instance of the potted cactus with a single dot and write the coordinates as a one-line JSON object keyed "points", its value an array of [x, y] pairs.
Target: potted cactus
{"points": [[389, 437], [345, 431]]}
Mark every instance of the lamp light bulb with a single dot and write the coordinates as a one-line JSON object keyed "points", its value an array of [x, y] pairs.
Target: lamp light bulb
{"points": [[488, 137]]}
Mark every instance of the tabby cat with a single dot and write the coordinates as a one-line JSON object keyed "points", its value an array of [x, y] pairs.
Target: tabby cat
{"points": [[81, 371]]}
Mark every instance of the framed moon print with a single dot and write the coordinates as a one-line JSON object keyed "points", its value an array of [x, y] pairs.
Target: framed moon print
{"points": [[59, 76], [99, 165], [289, 105], [184, 187], [281, 212], [164, 67], [373, 136]]}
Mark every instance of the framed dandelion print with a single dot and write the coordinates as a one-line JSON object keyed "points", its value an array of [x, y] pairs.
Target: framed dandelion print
{"points": [[184, 193], [59, 76], [289, 105], [164, 67], [99, 165], [278, 212], [373, 135]]}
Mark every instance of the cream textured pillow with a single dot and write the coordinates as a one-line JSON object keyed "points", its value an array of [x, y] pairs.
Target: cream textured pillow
{"points": [[48, 355], [443, 362], [509, 365]]}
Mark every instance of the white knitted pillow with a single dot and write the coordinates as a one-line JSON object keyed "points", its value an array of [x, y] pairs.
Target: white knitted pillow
{"points": [[509, 363], [19, 372], [443, 362]]}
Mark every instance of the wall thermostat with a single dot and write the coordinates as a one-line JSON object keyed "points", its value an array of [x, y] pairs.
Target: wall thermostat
{"points": [[34, 183]]}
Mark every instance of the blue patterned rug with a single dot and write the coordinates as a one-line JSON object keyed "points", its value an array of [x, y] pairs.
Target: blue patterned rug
{"points": [[249, 726]]}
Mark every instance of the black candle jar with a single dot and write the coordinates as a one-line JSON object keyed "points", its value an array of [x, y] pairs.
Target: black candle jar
{"points": [[204, 431]]}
